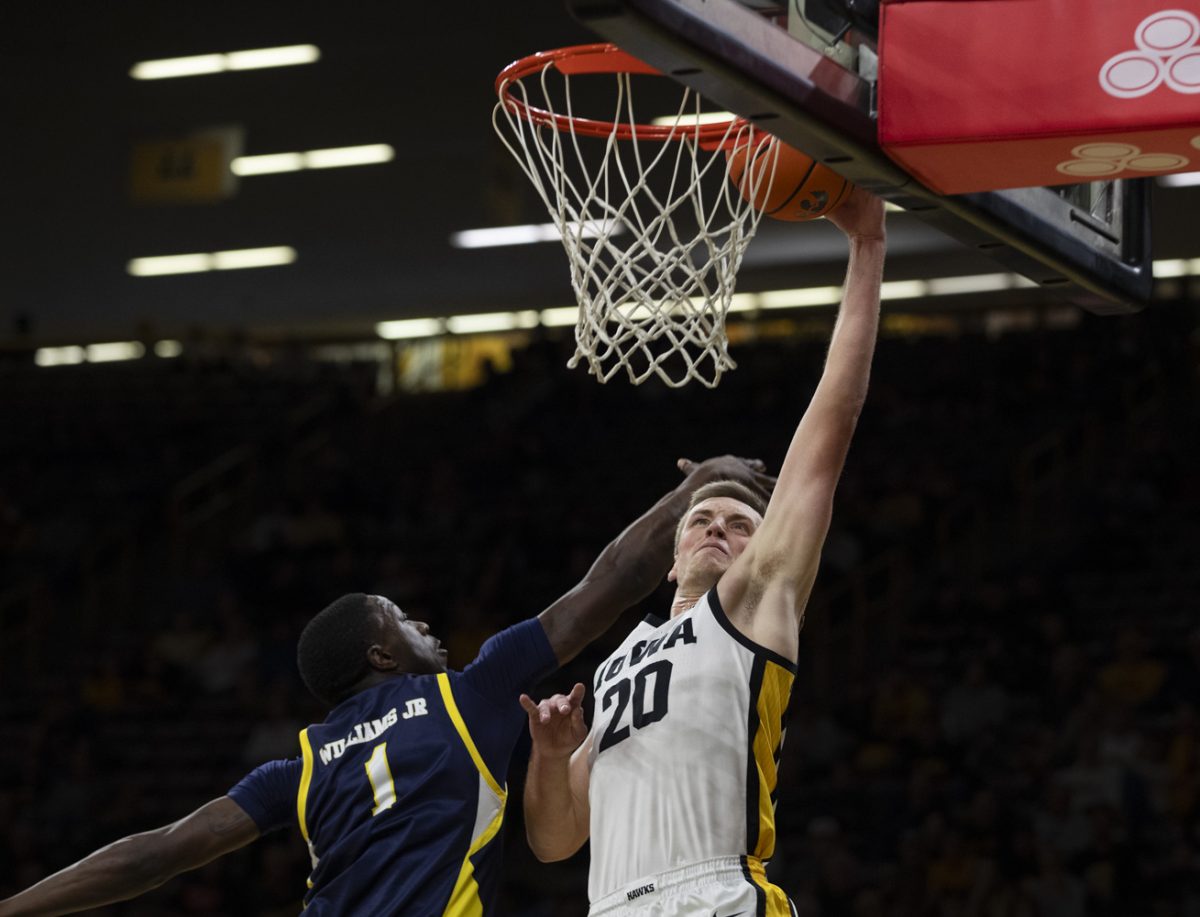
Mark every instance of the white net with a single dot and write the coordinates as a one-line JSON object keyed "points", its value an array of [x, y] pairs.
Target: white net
{"points": [[654, 231]]}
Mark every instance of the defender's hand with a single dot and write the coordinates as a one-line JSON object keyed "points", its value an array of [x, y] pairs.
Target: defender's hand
{"points": [[751, 472], [860, 216], [556, 723]]}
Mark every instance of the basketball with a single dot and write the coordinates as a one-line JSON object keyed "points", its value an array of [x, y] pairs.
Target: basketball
{"points": [[802, 188]]}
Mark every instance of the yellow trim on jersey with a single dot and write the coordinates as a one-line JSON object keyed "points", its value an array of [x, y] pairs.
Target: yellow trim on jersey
{"points": [[465, 900], [771, 702], [305, 781], [455, 717], [777, 901]]}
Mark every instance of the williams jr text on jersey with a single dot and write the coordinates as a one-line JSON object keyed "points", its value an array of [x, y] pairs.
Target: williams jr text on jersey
{"points": [[400, 792]]}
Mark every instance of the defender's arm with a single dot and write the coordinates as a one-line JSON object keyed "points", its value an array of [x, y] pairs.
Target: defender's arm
{"points": [[636, 561], [136, 864]]}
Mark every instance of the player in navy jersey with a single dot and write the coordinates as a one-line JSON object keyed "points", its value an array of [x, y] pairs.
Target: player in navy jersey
{"points": [[400, 792]]}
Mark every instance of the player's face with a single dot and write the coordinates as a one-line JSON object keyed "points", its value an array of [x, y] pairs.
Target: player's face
{"points": [[417, 650], [715, 533]]}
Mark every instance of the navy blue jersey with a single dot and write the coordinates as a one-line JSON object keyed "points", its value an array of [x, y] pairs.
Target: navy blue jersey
{"points": [[400, 792]]}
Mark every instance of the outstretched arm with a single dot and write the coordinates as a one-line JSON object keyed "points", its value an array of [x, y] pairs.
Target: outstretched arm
{"points": [[134, 865], [637, 560], [767, 588]]}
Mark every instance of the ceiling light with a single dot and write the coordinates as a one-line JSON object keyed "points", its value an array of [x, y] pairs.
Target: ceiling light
{"points": [[972, 283], [337, 157], [1180, 180], [253, 257], [560, 318], [903, 289], [738, 302], [169, 264], [491, 321], [743, 302], [1181, 267], [211, 261], [267, 164], [1174, 268], [198, 64], [167, 349], [692, 119], [530, 233], [409, 328], [114, 351], [260, 58], [807, 296], [58, 356], [178, 66]]}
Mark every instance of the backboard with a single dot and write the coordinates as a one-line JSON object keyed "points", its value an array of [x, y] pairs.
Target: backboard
{"points": [[1090, 241]]}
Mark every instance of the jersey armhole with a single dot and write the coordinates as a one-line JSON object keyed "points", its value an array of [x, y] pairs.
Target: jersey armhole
{"points": [[718, 612]]}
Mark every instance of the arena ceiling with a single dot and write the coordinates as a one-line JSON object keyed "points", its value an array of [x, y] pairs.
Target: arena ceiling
{"points": [[372, 242]]}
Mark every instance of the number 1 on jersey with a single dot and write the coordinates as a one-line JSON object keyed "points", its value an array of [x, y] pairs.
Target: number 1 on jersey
{"points": [[380, 776]]}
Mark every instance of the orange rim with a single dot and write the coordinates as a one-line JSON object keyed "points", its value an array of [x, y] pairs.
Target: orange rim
{"points": [[596, 58]]}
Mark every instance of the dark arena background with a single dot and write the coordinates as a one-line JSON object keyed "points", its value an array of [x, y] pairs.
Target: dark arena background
{"points": [[996, 712]]}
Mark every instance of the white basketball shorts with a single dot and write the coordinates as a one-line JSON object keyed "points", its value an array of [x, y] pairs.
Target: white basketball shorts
{"points": [[724, 887]]}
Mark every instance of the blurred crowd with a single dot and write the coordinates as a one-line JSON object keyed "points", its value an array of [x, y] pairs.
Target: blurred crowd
{"points": [[1013, 733]]}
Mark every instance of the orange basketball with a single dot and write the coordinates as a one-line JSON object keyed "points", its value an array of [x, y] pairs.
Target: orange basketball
{"points": [[802, 188]]}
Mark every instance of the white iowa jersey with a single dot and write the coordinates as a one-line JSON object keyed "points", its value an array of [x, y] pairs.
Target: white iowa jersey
{"points": [[686, 736]]}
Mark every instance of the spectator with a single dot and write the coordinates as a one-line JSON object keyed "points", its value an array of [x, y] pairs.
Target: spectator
{"points": [[973, 706], [1132, 678], [1056, 892]]}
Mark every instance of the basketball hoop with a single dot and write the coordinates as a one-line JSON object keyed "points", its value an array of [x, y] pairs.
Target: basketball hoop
{"points": [[653, 228]]}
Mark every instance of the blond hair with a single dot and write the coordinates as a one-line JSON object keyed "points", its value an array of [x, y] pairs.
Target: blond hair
{"points": [[724, 488]]}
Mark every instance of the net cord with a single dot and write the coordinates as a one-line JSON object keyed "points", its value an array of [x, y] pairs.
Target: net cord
{"points": [[648, 294]]}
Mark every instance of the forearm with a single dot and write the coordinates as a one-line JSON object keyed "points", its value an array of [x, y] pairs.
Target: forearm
{"points": [[635, 562], [626, 571], [124, 869], [822, 439], [134, 865], [556, 825], [848, 364]]}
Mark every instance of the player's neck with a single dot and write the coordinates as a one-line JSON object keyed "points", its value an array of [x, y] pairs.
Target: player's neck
{"points": [[684, 600]]}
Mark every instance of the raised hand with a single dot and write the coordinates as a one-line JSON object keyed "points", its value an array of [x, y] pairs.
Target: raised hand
{"points": [[556, 723], [748, 471], [860, 216]]}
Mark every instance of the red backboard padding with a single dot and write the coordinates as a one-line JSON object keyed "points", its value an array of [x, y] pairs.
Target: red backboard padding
{"points": [[978, 95]]}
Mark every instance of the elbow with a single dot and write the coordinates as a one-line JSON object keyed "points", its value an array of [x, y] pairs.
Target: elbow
{"points": [[543, 853], [550, 851]]}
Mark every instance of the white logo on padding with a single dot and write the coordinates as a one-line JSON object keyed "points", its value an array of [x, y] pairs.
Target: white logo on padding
{"points": [[1167, 52], [1099, 160]]}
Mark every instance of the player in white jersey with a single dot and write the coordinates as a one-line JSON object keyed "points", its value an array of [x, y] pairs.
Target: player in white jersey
{"points": [[675, 782]]}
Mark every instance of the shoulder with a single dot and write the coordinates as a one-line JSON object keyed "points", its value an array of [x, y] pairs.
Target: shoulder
{"points": [[283, 768], [752, 632], [268, 793]]}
